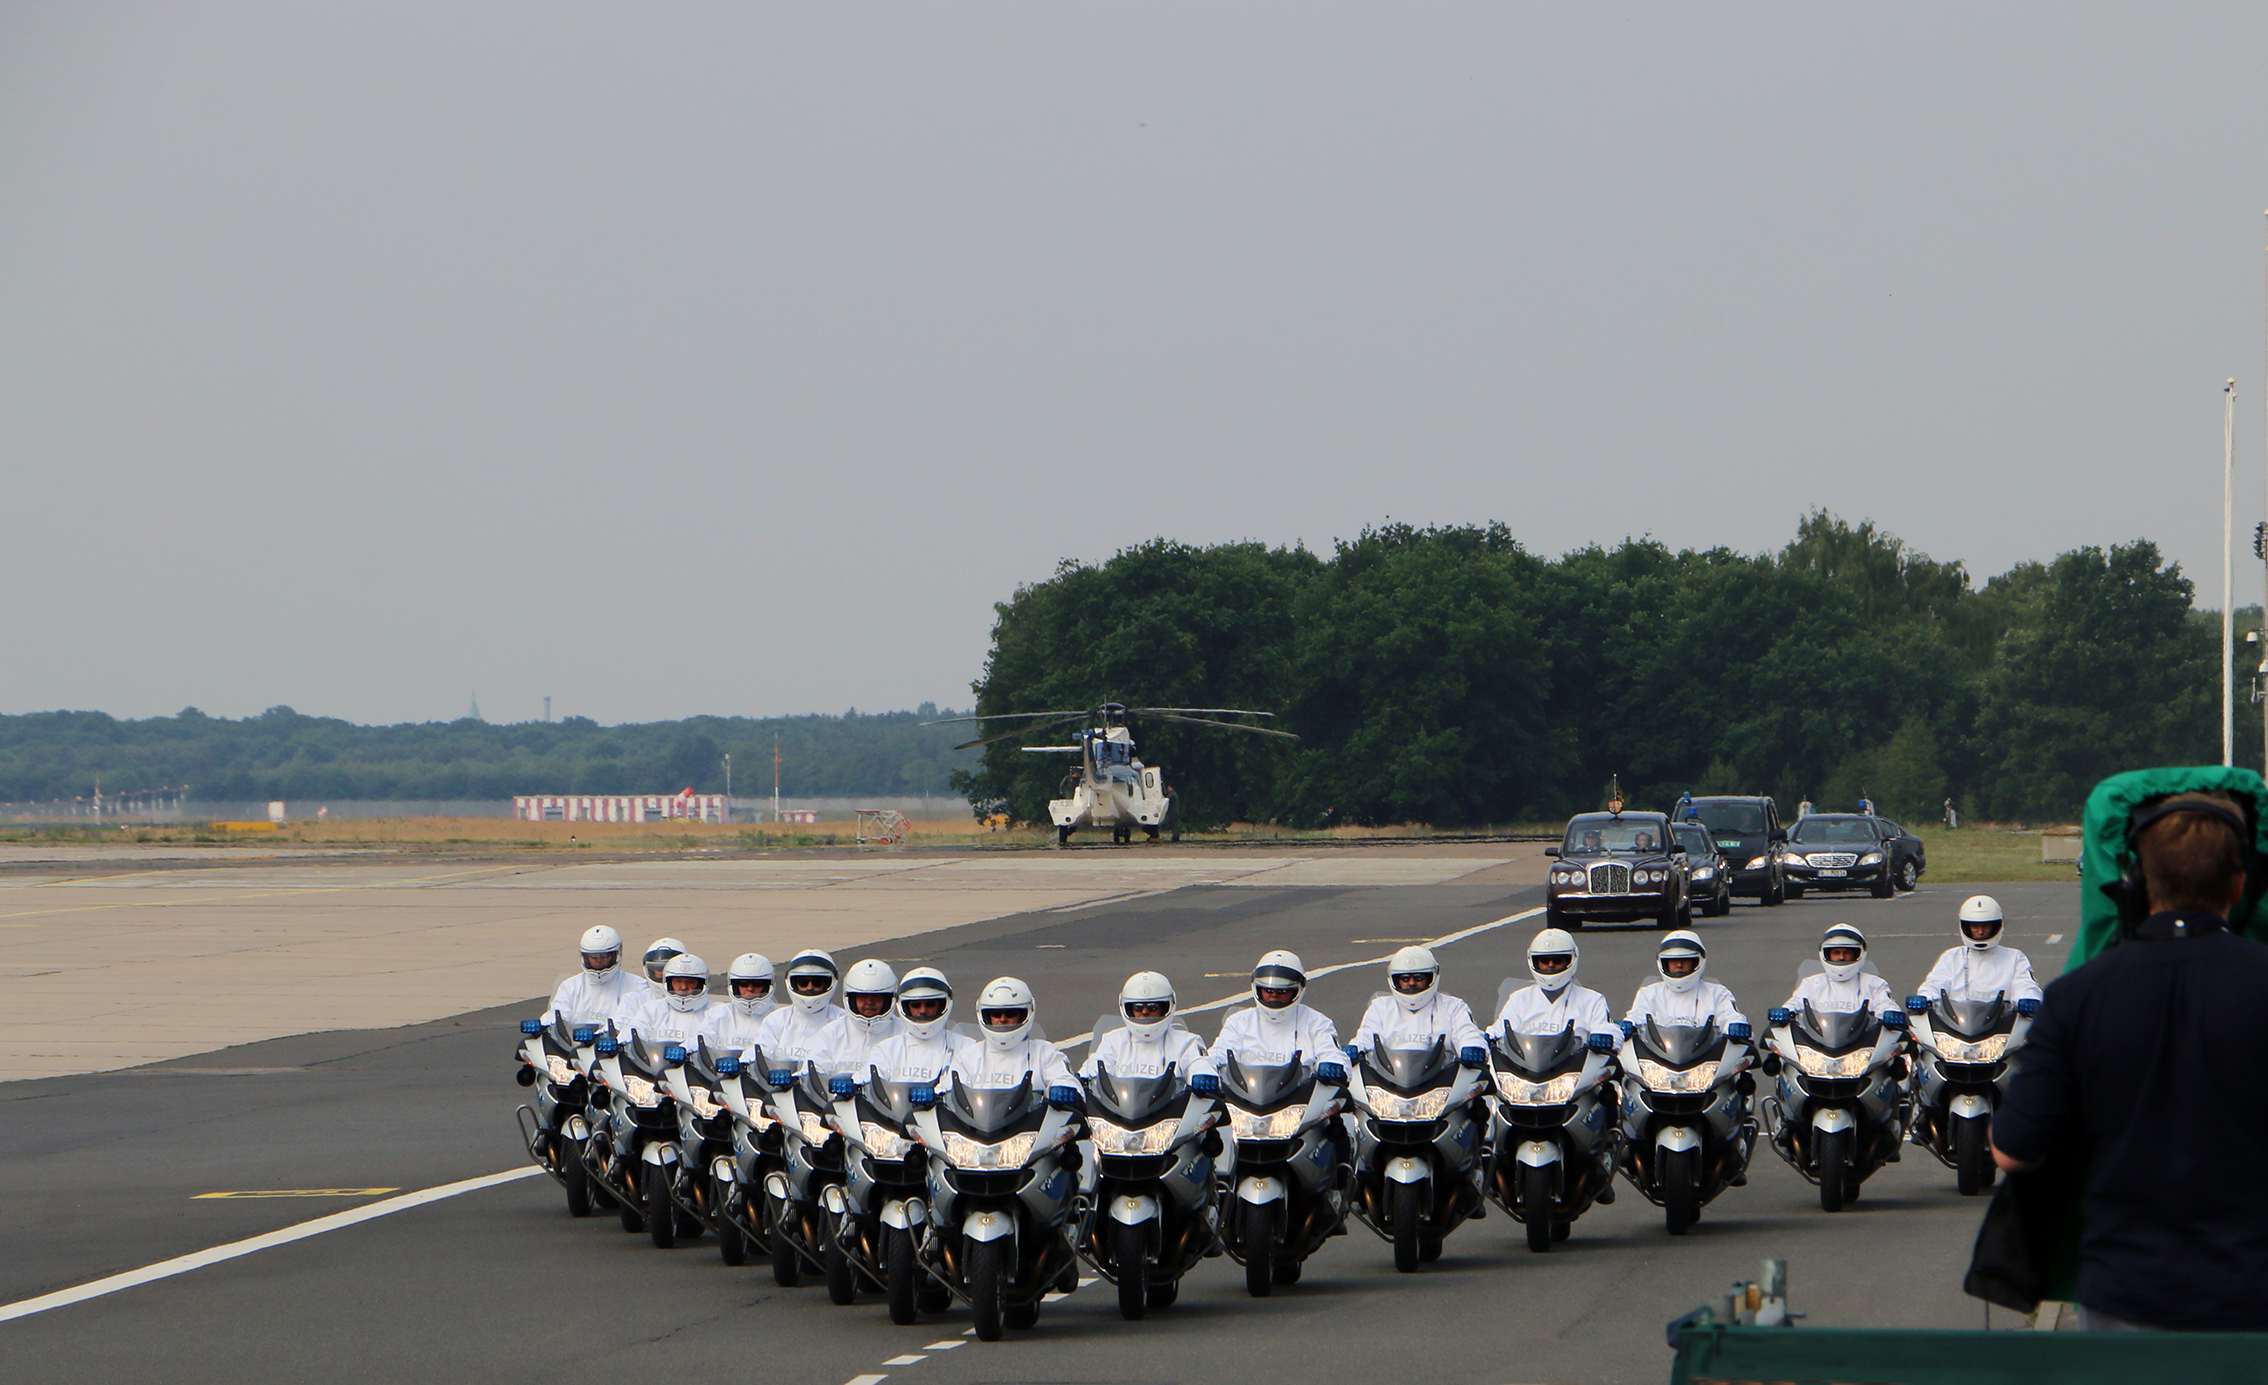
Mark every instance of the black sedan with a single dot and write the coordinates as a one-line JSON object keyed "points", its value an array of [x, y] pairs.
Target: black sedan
{"points": [[1614, 868], [1851, 851], [1708, 875]]}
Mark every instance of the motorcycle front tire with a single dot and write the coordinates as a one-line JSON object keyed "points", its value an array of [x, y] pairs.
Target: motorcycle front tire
{"points": [[661, 1213], [633, 1215], [842, 1275], [989, 1269], [576, 1177], [1536, 1206], [1680, 1171], [1972, 1156], [1259, 1249], [732, 1246], [904, 1277], [787, 1265], [1402, 1216], [1832, 1148], [1130, 1257]]}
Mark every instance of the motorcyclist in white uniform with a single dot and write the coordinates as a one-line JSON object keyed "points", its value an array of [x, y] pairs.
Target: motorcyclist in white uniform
{"points": [[924, 1046], [1007, 1051], [595, 993], [674, 1018], [1556, 1000], [1684, 995], [1415, 1012], [731, 1027], [634, 998], [1151, 1039], [1268, 1032], [1843, 983], [810, 1028], [1982, 966]]}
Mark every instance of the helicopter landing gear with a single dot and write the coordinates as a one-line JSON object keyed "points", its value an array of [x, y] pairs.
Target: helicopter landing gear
{"points": [[1063, 836], [1153, 832], [1121, 836]]}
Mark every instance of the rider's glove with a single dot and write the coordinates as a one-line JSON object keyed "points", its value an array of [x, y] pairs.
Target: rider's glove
{"points": [[1472, 1055], [839, 1084], [923, 1097], [1204, 1084], [1062, 1098], [779, 1078], [2028, 1006], [1330, 1072]]}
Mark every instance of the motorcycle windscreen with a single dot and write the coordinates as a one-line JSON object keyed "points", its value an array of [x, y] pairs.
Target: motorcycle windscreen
{"points": [[986, 1109], [1133, 1100], [1681, 1045], [1410, 1068], [893, 1099], [1542, 1055], [1262, 1086], [1838, 1031], [1971, 1019]]}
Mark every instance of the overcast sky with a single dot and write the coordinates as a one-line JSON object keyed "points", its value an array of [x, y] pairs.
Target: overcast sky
{"points": [[737, 358]]}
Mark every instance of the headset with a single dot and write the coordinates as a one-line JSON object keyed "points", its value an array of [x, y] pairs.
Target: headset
{"points": [[2132, 892]]}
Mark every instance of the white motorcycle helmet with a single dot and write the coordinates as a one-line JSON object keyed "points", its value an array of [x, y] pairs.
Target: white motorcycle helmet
{"points": [[873, 983], [1846, 939], [1414, 976], [805, 971], [1278, 971], [657, 957], [678, 968], [1148, 989], [602, 952], [1552, 960], [922, 987], [1004, 1011], [1981, 912], [754, 970], [1674, 949]]}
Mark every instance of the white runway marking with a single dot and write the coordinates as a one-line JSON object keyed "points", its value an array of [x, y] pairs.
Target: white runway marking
{"points": [[197, 1260]]}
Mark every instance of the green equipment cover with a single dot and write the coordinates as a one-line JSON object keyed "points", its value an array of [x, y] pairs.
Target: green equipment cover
{"points": [[1714, 1354], [2104, 857]]}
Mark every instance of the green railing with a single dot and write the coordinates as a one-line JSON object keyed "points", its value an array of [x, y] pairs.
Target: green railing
{"points": [[1711, 1353]]}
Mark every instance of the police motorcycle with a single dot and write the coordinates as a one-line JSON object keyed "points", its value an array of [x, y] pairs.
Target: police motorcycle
{"points": [[1965, 1048], [1838, 1111], [1149, 1189], [747, 1206], [805, 1191], [1418, 1128], [1686, 1132], [634, 1154], [708, 1174], [887, 1196], [555, 1060], [1002, 1193], [1286, 1187], [1555, 1136]]}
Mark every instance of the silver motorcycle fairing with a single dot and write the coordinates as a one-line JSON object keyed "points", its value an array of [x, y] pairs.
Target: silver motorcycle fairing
{"points": [[1875, 1113], [1721, 1126]]}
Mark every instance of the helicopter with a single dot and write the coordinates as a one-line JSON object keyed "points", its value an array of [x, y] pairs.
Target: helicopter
{"points": [[1110, 787]]}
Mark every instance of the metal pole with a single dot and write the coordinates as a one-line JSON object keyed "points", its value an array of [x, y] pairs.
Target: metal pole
{"points": [[775, 778], [2228, 574]]}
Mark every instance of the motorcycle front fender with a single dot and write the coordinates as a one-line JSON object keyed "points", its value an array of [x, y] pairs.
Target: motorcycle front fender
{"points": [[660, 1152], [904, 1214], [833, 1199], [989, 1226], [1676, 1139], [1407, 1168], [1539, 1154], [1134, 1209], [1969, 1106], [1260, 1190], [1827, 1120]]}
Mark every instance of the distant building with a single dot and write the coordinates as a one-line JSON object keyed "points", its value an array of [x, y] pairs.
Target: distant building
{"points": [[666, 807]]}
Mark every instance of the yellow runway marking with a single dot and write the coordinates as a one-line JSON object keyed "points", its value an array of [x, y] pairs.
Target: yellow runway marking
{"points": [[300, 1192], [262, 894]]}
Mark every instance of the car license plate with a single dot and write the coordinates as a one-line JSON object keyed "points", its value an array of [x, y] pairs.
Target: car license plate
{"points": [[1834, 872]]}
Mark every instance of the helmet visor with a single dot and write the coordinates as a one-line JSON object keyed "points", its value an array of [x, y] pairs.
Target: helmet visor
{"points": [[1148, 1011], [1412, 982], [1680, 964], [1839, 956], [871, 1005], [751, 987], [922, 1008], [1981, 930], [811, 983], [1005, 1018], [1551, 963], [600, 961], [687, 985]]}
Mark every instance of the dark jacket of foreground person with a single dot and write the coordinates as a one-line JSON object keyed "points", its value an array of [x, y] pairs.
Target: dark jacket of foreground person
{"points": [[2149, 1064]]}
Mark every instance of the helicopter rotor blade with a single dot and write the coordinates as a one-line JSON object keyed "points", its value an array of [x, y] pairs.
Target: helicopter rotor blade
{"points": [[1025, 731], [1003, 716], [1224, 725], [1198, 711]]}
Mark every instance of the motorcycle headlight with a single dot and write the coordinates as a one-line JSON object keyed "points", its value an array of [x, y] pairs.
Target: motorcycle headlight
{"points": [[1424, 1106], [1872, 858], [562, 1072], [1281, 1126], [1661, 1078], [1985, 1050], [815, 1127], [1521, 1092], [882, 1141], [1010, 1153], [640, 1091], [1813, 1063], [704, 1102], [1119, 1139]]}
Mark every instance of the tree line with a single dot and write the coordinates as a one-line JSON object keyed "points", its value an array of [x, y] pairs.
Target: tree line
{"points": [[283, 754], [1450, 676]]}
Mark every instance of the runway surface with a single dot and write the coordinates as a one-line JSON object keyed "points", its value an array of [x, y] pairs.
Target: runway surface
{"points": [[110, 1171]]}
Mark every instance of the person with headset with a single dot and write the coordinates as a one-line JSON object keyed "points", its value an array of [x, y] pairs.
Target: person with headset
{"points": [[2141, 1075], [1981, 966]]}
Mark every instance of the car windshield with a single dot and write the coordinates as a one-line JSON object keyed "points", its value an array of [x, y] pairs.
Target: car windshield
{"points": [[1731, 817], [1695, 840], [1591, 835], [1817, 831]]}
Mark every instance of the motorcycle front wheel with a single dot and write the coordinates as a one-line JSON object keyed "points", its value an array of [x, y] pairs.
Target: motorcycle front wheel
{"points": [[633, 1214], [1259, 1249], [1833, 1149], [989, 1269], [787, 1266], [576, 1177], [1130, 1256], [661, 1213], [1972, 1156], [904, 1277], [1536, 1206], [1402, 1219], [1680, 1171], [842, 1275], [732, 1247]]}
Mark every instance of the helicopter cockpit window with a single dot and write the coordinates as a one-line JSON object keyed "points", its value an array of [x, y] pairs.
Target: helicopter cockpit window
{"points": [[1113, 753]]}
